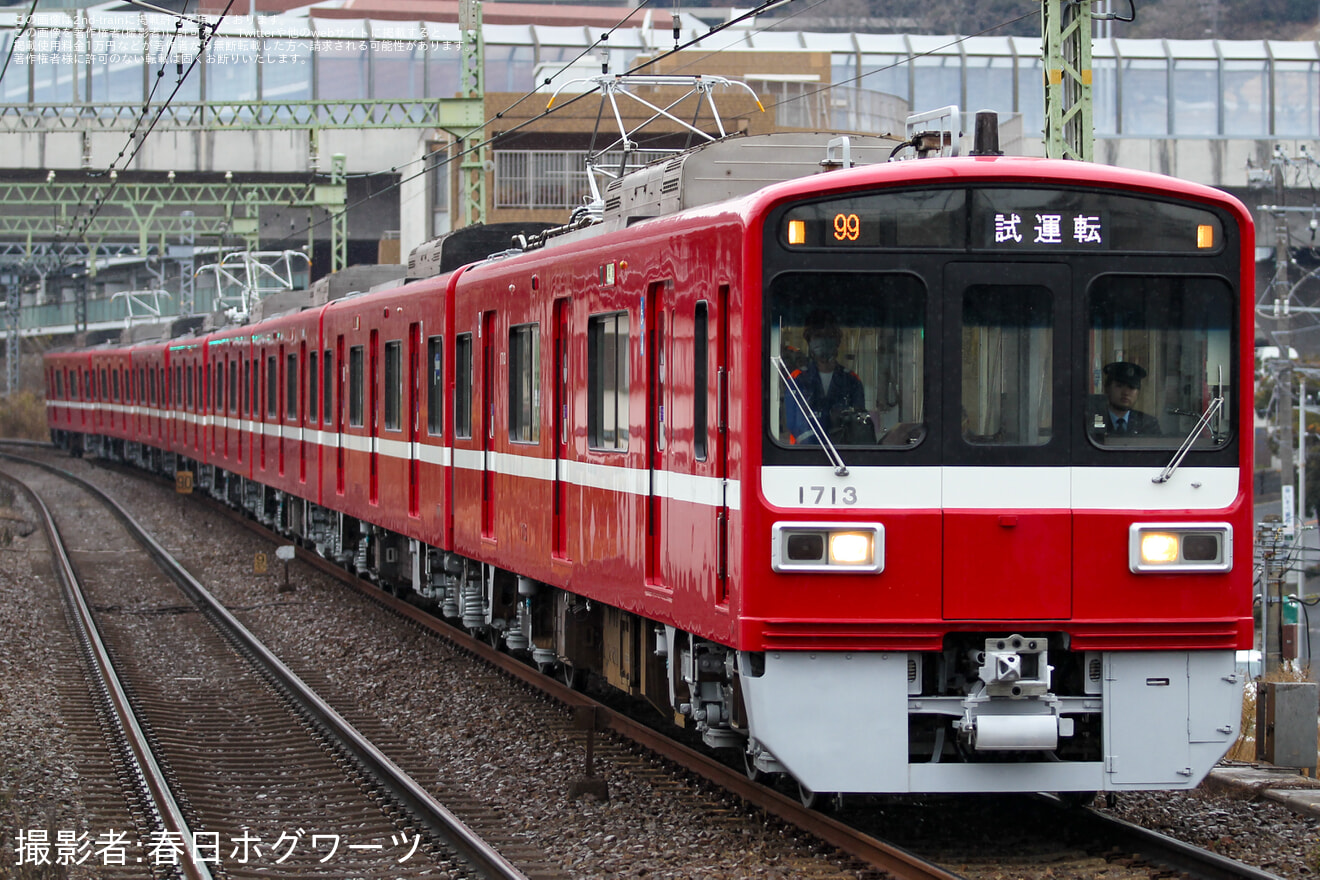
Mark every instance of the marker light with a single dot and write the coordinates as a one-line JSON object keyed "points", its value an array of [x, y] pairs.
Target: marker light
{"points": [[1180, 547], [1205, 237], [797, 232]]}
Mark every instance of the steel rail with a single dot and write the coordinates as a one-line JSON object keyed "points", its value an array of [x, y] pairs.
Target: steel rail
{"points": [[145, 767], [438, 819], [899, 863], [1192, 861]]}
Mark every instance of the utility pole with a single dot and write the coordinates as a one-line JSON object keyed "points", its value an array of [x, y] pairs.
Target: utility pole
{"points": [[13, 342], [1066, 34], [1281, 311], [472, 85]]}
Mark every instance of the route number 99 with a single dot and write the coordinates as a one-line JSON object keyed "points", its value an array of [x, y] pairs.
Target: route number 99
{"points": [[847, 227]]}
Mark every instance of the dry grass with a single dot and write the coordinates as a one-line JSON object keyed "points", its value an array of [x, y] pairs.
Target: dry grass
{"points": [[23, 417], [1245, 747]]}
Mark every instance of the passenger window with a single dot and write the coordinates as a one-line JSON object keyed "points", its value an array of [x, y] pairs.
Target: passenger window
{"points": [[356, 387], [291, 387], [272, 387], [607, 381], [525, 383], [463, 386], [393, 385], [327, 387], [313, 413], [435, 387]]}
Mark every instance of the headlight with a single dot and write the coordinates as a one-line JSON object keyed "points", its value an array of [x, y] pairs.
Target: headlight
{"points": [[1180, 547], [832, 547]]}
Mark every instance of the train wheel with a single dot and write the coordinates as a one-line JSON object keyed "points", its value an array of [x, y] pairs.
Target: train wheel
{"points": [[824, 801], [754, 773], [572, 676]]}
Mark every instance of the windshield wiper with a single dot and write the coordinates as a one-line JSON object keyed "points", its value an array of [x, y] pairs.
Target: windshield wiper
{"points": [[840, 469], [1201, 423]]}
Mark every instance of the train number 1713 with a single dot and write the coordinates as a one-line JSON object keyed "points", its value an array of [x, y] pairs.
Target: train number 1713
{"points": [[818, 495]]}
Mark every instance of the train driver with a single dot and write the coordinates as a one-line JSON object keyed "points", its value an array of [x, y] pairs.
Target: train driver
{"points": [[833, 392], [1117, 414]]}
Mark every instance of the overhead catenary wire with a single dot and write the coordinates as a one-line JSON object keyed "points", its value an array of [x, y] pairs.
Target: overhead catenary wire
{"points": [[206, 33], [427, 168]]}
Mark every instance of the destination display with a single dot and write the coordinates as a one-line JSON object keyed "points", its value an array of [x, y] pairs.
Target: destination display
{"points": [[1005, 220]]}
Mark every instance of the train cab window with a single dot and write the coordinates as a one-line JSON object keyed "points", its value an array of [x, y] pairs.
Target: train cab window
{"points": [[847, 357], [1159, 353], [291, 387], [59, 384], [1007, 365], [393, 385], [607, 381], [313, 392], [435, 386], [525, 383], [463, 386], [356, 387], [327, 387]]}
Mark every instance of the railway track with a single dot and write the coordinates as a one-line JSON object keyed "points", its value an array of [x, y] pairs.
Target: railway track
{"points": [[730, 799], [240, 769]]}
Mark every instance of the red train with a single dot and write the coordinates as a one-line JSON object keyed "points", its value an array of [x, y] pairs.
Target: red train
{"points": [[913, 476]]}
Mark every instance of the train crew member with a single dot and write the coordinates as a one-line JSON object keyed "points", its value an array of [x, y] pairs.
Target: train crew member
{"points": [[832, 391], [1117, 415]]}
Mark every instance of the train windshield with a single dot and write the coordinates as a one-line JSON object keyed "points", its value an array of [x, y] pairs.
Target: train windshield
{"points": [[1159, 353], [999, 326], [852, 344]]}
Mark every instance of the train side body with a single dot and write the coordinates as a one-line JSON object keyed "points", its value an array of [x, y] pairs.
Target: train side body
{"points": [[608, 453]]}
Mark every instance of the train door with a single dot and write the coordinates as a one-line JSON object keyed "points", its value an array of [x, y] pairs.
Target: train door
{"points": [[488, 425], [1006, 347], [261, 403], [373, 407], [339, 416], [280, 392], [562, 401], [300, 407], [715, 445], [411, 417], [658, 320]]}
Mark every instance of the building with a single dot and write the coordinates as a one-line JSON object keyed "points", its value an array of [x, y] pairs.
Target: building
{"points": [[346, 130]]}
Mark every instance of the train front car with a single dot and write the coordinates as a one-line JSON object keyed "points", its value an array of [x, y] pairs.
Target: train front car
{"points": [[1002, 535]]}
